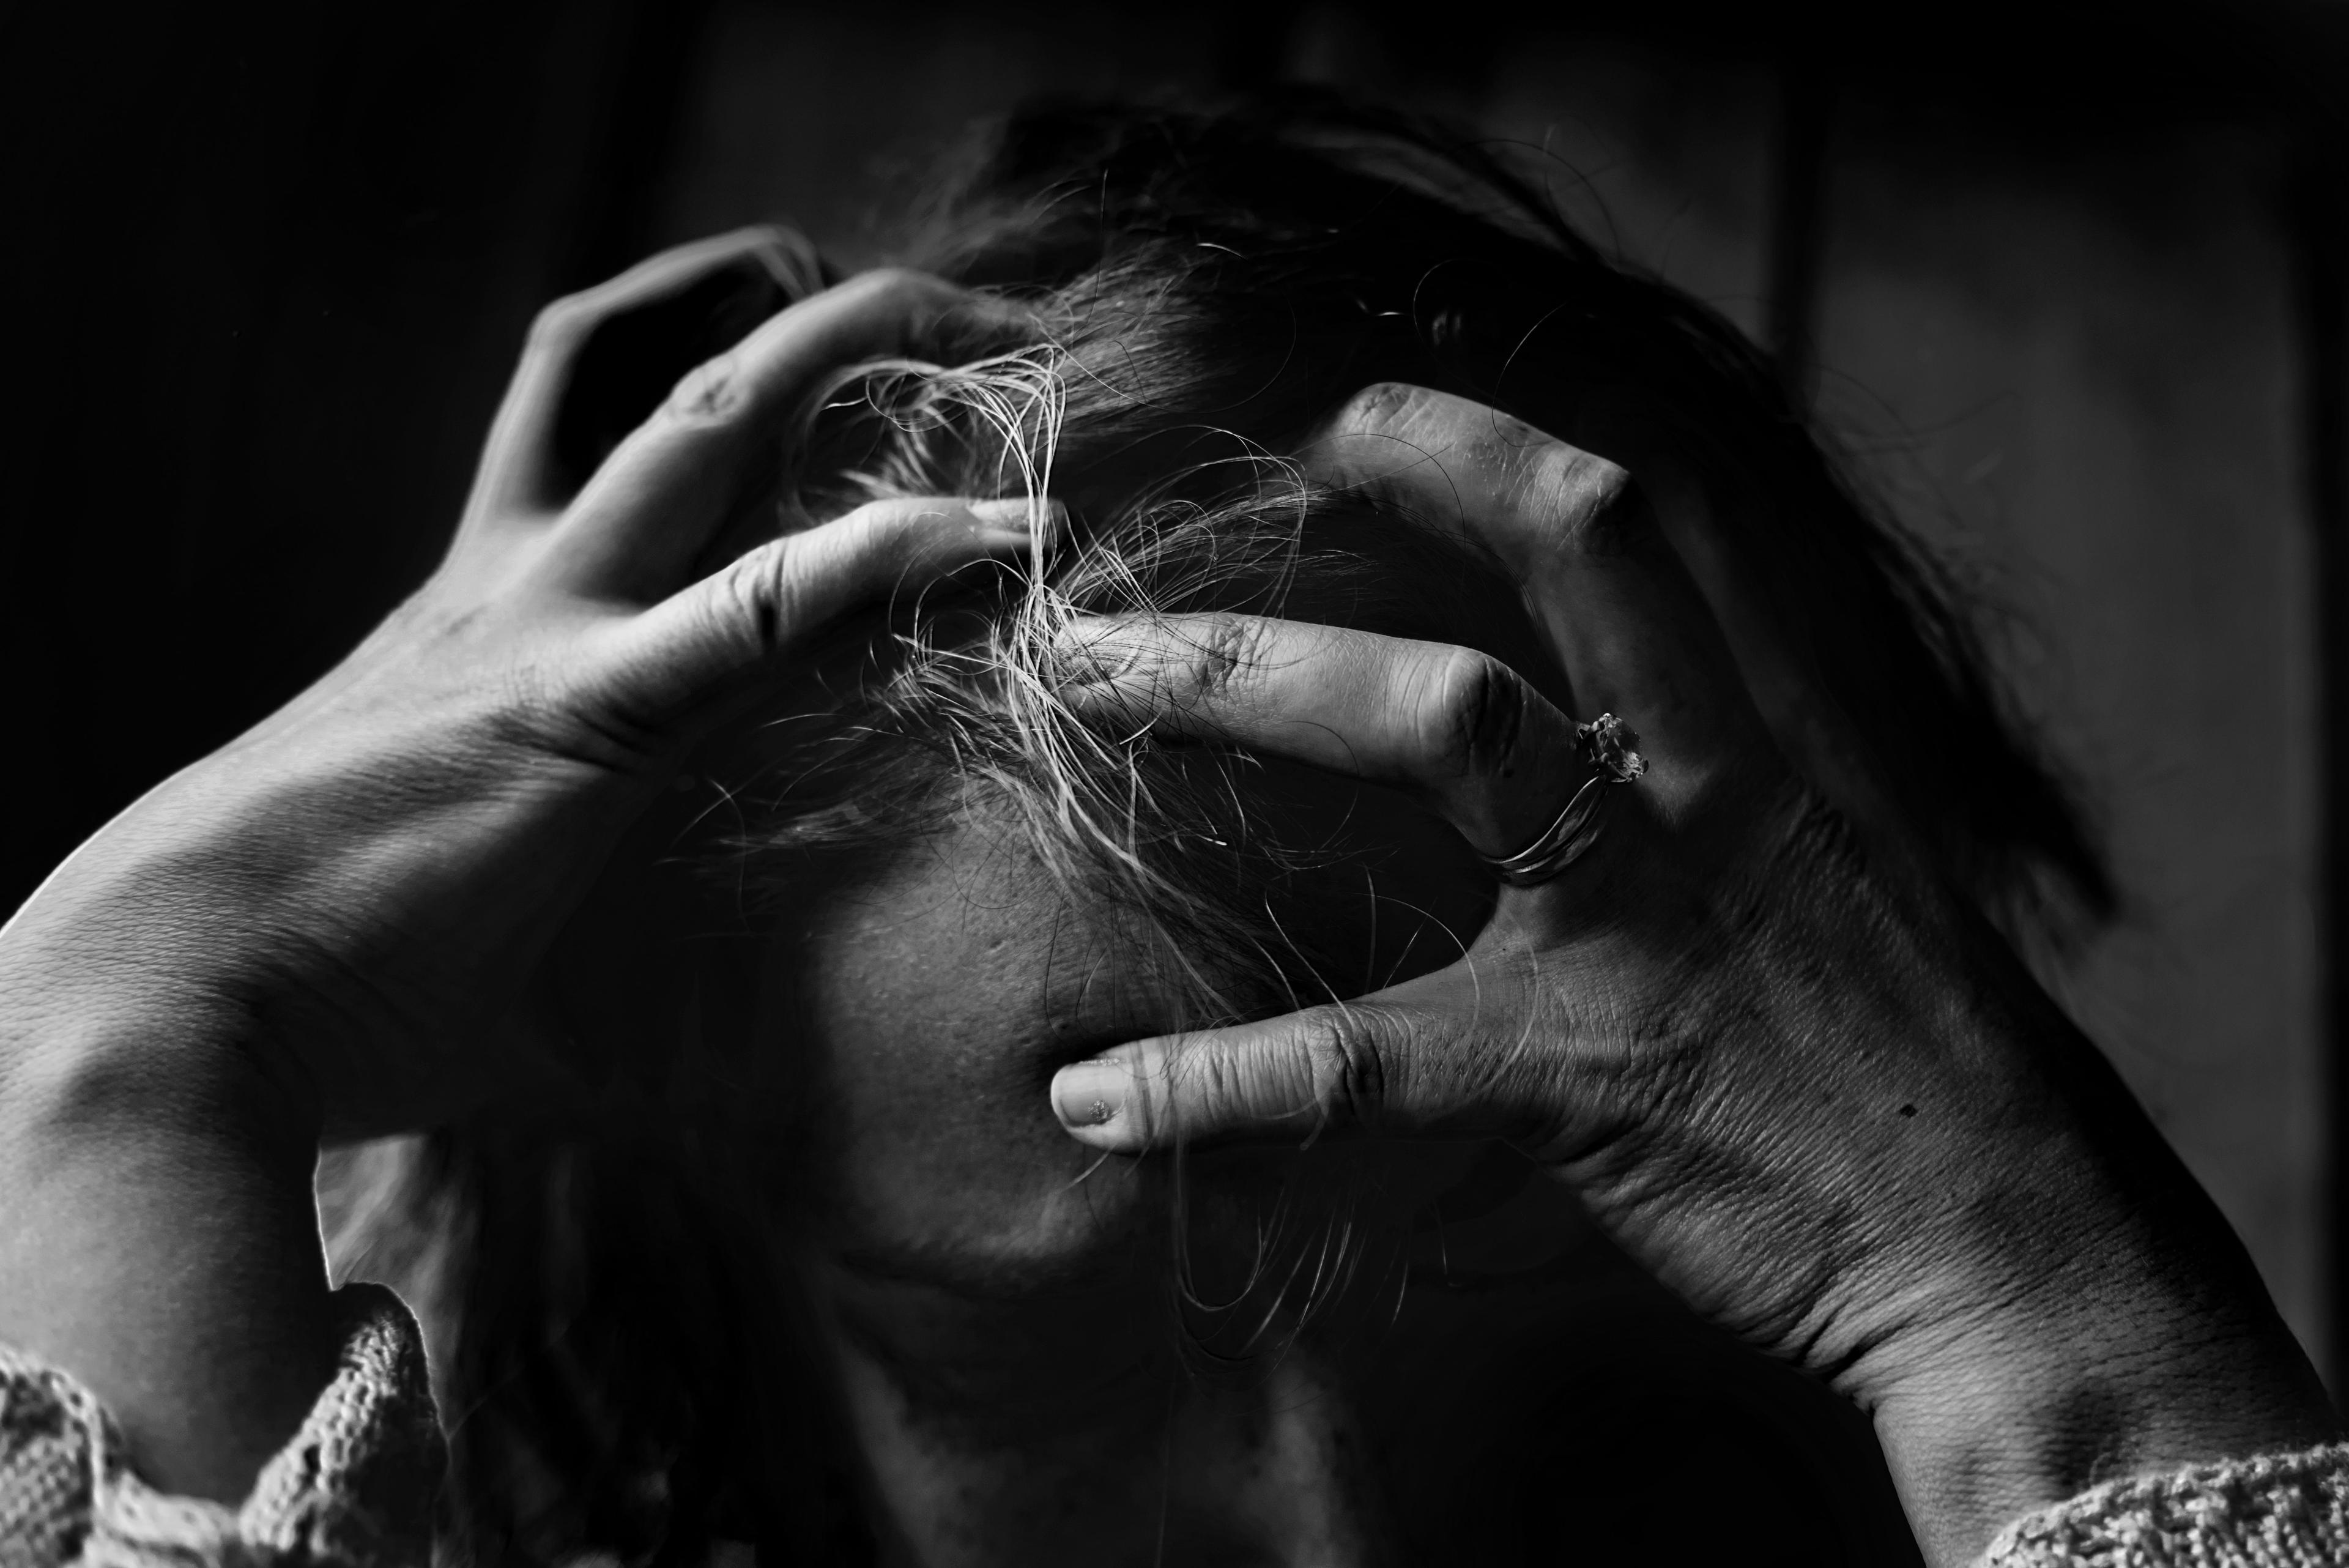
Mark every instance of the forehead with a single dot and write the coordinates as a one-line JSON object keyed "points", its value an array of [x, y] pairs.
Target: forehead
{"points": [[921, 1004], [959, 962]]}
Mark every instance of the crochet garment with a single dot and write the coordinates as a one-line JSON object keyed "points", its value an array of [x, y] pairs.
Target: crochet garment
{"points": [[2280, 1510], [354, 1487]]}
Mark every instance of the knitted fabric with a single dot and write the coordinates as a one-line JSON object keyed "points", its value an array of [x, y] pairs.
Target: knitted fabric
{"points": [[2279, 1510], [354, 1489]]}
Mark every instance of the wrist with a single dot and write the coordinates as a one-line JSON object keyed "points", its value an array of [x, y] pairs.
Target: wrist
{"points": [[2039, 1405], [2076, 1311], [2022, 1286], [353, 922]]}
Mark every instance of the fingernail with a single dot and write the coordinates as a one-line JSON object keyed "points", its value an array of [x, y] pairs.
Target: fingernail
{"points": [[1018, 512], [1090, 1094]]}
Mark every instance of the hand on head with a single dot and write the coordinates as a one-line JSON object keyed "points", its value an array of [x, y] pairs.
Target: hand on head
{"points": [[425, 816], [618, 574], [1481, 745], [317, 926], [1775, 1055], [1776, 1058]]}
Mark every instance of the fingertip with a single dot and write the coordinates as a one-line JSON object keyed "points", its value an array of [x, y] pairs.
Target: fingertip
{"points": [[1008, 530], [992, 319], [1038, 518], [1101, 1102], [929, 525]]}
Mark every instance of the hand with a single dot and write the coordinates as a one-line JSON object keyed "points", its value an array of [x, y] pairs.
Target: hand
{"points": [[393, 850], [314, 928], [1779, 1062]]}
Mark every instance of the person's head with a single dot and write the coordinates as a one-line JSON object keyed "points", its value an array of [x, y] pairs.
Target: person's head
{"points": [[821, 1170]]}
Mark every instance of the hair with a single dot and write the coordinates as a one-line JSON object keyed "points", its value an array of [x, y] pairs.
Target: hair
{"points": [[1207, 284]]}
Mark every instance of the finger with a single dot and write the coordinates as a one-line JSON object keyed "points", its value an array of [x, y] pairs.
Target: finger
{"points": [[1393, 1061], [1451, 724], [1615, 603], [684, 650], [637, 527], [523, 471]]}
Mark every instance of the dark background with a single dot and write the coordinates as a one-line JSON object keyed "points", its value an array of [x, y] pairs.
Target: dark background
{"points": [[2072, 284]]}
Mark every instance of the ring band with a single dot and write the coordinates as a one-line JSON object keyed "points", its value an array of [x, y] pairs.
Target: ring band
{"points": [[1570, 837]]}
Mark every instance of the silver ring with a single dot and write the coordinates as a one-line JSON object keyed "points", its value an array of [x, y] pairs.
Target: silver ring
{"points": [[1567, 840]]}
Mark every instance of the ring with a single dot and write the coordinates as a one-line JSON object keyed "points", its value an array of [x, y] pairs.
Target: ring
{"points": [[1567, 840]]}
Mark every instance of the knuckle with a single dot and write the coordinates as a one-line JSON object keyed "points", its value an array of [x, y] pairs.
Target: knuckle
{"points": [[756, 592], [1228, 1087], [1593, 500], [1350, 1070], [1595, 475], [1380, 406], [712, 392], [562, 323], [1507, 453], [1223, 646], [1470, 714]]}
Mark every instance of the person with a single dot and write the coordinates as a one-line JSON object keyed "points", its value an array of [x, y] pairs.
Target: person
{"points": [[1739, 1007]]}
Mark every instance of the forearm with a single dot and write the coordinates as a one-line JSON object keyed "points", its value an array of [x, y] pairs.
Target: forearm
{"points": [[323, 926], [158, 1134], [2050, 1300], [158, 1239]]}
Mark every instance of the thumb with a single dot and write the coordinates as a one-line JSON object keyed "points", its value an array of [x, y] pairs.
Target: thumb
{"points": [[1373, 1062]]}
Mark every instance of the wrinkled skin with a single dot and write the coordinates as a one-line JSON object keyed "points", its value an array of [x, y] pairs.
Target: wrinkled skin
{"points": [[327, 925], [998, 1301], [330, 924], [1779, 1062], [1752, 1036]]}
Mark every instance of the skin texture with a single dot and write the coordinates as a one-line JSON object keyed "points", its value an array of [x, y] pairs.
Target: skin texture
{"points": [[996, 1299], [327, 926], [998, 1302], [1781, 1065], [1714, 1034]]}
